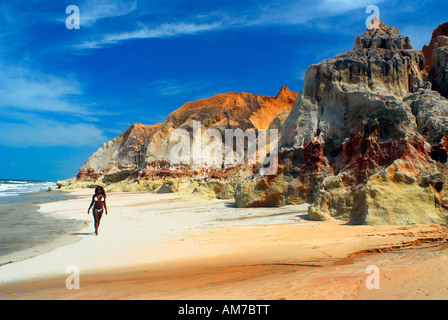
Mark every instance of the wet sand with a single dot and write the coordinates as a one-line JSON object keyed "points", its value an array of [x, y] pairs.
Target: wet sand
{"points": [[25, 232], [157, 247]]}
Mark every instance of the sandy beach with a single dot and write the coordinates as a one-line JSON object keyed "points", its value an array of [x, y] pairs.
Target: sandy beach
{"points": [[158, 246]]}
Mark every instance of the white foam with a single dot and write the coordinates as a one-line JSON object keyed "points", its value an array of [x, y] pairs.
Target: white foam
{"points": [[14, 188]]}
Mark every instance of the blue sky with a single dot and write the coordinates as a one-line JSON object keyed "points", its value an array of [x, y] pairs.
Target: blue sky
{"points": [[63, 93]]}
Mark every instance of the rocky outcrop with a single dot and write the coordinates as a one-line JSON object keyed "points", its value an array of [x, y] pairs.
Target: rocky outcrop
{"points": [[148, 145], [357, 83], [383, 37], [363, 138], [438, 73], [224, 111], [441, 30], [122, 153], [431, 114], [436, 55], [140, 158]]}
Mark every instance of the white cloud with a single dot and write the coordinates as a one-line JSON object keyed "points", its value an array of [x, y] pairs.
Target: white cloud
{"points": [[162, 31], [49, 133], [95, 10], [37, 109], [275, 13], [27, 89]]}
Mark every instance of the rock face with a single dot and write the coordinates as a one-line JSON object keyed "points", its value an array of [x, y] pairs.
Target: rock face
{"points": [[143, 145], [436, 55], [142, 153], [383, 37], [363, 140], [438, 72], [441, 30], [224, 111], [122, 153]]}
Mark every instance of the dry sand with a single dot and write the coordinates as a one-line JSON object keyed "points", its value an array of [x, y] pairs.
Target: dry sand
{"points": [[154, 246]]}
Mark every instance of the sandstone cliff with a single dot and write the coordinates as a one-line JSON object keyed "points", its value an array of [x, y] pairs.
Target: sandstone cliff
{"points": [[365, 141], [140, 159], [224, 111], [124, 152]]}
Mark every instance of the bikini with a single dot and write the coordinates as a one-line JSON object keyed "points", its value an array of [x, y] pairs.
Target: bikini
{"points": [[96, 200]]}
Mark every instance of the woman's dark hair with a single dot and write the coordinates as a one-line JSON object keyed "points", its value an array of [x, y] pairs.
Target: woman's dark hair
{"points": [[101, 190]]}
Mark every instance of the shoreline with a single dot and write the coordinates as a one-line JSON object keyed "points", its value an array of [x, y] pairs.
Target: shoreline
{"points": [[153, 246], [36, 243], [119, 246]]}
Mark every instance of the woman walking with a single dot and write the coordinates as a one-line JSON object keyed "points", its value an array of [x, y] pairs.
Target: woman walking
{"points": [[99, 206]]}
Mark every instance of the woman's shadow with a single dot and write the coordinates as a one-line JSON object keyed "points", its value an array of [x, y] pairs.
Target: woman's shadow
{"points": [[83, 234]]}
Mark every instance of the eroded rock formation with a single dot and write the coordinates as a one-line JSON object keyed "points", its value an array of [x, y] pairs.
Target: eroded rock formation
{"points": [[122, 153], [365, 140], [441, 30], [140, 158], [224, 111], [436, 54]]}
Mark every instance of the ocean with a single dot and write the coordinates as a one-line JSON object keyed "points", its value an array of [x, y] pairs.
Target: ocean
{"points": [[17, 190], [22, 227]]}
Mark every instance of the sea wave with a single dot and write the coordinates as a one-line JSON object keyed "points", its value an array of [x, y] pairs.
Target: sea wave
{"points": [[11, 188]]}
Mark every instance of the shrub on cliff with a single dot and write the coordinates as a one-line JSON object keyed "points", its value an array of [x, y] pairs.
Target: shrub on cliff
{"points": [[117, 177]]}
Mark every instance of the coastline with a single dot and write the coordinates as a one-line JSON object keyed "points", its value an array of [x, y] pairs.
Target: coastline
{"points": [[135, 222], [154, 246], [31, 232]]}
